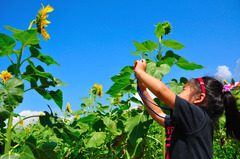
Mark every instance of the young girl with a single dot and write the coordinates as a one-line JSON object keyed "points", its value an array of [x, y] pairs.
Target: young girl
{"points": [[189, 131]]}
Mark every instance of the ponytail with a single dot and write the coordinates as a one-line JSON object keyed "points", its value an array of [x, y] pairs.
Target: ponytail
{"points": [[232, 115], [218, 99]]}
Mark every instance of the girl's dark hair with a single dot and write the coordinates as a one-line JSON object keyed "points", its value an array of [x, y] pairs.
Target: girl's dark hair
{"points": [[216, 102]]}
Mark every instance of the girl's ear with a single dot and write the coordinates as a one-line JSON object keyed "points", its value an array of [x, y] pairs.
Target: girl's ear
{"points": [[199, 98]]}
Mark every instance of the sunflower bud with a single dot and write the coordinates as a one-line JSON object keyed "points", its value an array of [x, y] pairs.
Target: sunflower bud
{"points": [[167, 27]]}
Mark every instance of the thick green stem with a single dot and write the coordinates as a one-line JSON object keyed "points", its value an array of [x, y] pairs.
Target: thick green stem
{"points": [[31, 24], [17, 70], [110, 109], [9, 134], [154, 56], [159, 51]]}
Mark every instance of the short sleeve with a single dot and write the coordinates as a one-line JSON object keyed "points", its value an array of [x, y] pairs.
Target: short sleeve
{"points": [[188, 116]]}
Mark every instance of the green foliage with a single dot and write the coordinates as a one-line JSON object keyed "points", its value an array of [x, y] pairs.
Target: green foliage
{"points": [[159, 31], [28, 37], [25, 153], [95, 130], [12, 90], [12, 93], [6, 45]]}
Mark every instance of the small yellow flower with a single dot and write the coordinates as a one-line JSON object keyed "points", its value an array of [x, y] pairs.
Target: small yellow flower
{"points": [[98, 116], [22, 122], [100, 91], [69, 108], [5, 76], [28, 129], [37, 130], [42, 23], [97, 90], [78, 116], [118, 99], [85, 112], [66, 120], [41, 114]]}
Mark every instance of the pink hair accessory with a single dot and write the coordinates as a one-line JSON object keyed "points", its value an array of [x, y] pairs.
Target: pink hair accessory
{"points": [[226, 88]]}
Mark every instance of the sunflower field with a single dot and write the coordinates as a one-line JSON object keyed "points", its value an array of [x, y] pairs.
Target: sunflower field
{"points": [[96, 130]]}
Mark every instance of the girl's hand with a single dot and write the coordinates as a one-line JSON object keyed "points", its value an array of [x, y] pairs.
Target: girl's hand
{"points": [[140, 66]]}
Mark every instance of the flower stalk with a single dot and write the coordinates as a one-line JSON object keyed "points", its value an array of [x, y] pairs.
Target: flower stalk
{"points": [[9, 134], [31, 24], [10, 120]]}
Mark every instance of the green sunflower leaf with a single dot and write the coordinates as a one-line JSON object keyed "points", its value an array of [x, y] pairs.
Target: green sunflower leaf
{"points": [[97, 138], [12, 92], [146, 46], [156, 71], [175, 87], [159, 31], [57, 97], [140, 47], [7, 43], [28, 37], [172, 44], [184, 64], [150, 45], [44, 58], [4, 114], [13, 29]]}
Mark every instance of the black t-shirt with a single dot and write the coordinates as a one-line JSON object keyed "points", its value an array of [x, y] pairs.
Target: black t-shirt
{"points": [[189, 133]]}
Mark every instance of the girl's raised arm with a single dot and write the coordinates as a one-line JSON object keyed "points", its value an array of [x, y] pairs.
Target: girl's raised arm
{"points": [[150, 102], [157, 87]]}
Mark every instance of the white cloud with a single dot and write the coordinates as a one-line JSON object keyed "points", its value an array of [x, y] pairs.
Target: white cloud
{"points": [[27, 113], [33, 120], [237, 71], [223, 72]]}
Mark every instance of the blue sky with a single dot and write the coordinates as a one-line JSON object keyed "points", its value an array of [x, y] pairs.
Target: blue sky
{"points": [[92, 40]]}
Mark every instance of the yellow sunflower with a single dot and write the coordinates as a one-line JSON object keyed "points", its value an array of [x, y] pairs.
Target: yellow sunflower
{"points": [[22, 122], [100, 91], [5, 76], [118, 99], [85, 112], [66, 120], [97, 90], [42, 23], [69, 108]]}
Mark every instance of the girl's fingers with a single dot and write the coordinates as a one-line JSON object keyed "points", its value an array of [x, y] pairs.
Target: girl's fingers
{"points": [[140, 65], [143, 61]]}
